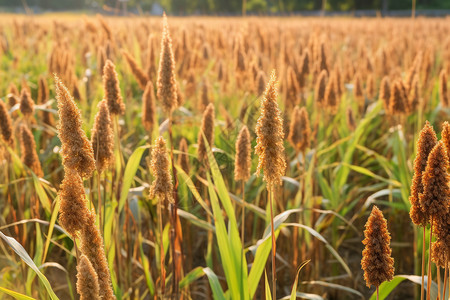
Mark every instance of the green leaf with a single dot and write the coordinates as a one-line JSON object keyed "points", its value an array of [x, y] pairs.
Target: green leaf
{"points": [[214, 284], [388, 286], [192, 276], [27, 259], [43, 198], [130, 172], [268, 292], [335, 286], [50, 227], [196, 221], [294, 286], [229, 265], [146, 266], [15, 294]]}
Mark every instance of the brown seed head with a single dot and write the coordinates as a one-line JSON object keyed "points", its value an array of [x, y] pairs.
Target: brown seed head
{"points": [[102, 138], [377, 262], [425, 143], [397, 101], [300, 131], [111, 89], [385, 93], [440, 253], [261, 82], [6, 124], [414, 94], [269, 141], [92, 246], [436, 191], [43, 92], [370, 86], [13, 95], [73, 210], [87, 280], [138, 73], [331, 96], [319, 91], [183, 159], [358, 88], [443, 90], [28, 149], [148, 107], [166, 85], [243, 161], [162, 185], [445, 137], [206, 130], [26, 103], [76, 149]]}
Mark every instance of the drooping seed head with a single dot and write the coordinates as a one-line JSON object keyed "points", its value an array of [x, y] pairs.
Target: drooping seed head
{"points": [[161, 187], [397, 100], [331, 95], [138, 73], [377, 262], [243, 161], [270, 134]]}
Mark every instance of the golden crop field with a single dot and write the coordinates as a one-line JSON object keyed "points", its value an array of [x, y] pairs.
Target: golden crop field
{"points": [[224, 158]]}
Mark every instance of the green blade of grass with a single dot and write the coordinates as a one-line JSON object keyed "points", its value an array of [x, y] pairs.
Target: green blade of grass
{"points": [[27, 259]]}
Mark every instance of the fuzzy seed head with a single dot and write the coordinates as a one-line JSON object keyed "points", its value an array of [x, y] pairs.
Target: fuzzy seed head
{"points": [[161, 187], [183, 159], [6, 124], [73, 210], [92, 246], [111, 89], [102, 138], [377, 262], [299, 130], [87, 280], [243, 161], [270, 133], [76, 149], [28, 149], [425, 143], [166, 84], [148, 107], [436, 190], [206, 130], [26, 103]]}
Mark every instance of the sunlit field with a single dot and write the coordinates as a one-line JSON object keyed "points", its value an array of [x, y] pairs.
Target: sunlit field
{"points": [[224, 158]]}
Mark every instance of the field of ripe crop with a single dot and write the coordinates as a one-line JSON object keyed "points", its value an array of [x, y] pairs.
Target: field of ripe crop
{"points": [[224, 158]]}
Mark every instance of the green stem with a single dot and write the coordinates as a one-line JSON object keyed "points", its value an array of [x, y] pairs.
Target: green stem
{"points": [[274, 250]]}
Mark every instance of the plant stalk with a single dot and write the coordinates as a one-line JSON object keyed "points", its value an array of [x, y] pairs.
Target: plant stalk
{"points": [[274, 250]]}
